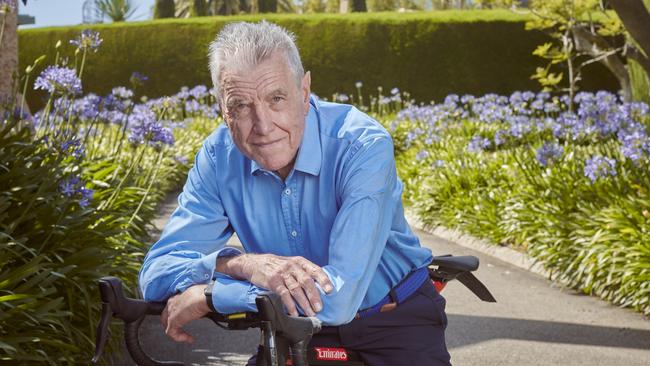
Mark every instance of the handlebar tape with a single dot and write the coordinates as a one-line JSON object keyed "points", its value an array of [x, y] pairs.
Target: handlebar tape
{"points": [[133, 345]]}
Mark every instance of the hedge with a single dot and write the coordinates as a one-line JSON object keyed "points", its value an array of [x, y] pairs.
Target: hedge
{"points": [[429, 54]]}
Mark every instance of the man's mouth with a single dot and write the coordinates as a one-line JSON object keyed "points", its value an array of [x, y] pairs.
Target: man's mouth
{"points": [[266, 143]]}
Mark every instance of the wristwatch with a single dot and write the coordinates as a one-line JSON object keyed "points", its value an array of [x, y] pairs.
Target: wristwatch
{"points": [[208, 296]]}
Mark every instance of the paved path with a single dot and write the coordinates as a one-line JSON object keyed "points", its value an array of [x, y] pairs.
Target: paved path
{"points": [[533, 323]]}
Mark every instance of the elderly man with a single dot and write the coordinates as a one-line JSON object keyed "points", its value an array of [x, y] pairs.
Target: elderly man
{"points": [[312, 192]]}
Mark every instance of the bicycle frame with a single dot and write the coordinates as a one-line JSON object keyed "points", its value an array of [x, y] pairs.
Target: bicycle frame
{"points": [[285, 339]]}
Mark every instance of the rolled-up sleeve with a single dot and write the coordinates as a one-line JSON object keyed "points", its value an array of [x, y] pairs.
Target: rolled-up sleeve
{"points": [[194, 237]]}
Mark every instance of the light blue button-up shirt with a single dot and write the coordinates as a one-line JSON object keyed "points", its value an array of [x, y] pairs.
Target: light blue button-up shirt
{"points": [[340, 207]]}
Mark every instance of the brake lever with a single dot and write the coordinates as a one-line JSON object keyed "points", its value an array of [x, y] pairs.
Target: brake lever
{"points": [[102, 331], [132, 312]]}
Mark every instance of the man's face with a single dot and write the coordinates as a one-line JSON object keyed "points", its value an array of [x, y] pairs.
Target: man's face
{"points": [[265, 111]]}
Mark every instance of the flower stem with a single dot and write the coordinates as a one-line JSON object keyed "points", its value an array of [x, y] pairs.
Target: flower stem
{"points": [[146, 193], [83, 62], [136, 161]]}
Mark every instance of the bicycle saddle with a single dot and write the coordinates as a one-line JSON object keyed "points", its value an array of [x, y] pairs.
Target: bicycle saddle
{"points": [[465, 263]]}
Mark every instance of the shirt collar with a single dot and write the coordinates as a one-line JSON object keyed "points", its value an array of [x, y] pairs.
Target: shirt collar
{"points": [[309, 154]]}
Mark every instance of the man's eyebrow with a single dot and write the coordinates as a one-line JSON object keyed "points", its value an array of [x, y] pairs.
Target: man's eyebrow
{"points": [[235, 100], [278, 91]]}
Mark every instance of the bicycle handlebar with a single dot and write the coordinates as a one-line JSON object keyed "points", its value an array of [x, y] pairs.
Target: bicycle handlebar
{"points": [[270, 318]]}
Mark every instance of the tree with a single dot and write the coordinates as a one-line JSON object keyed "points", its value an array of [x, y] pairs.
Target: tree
{"points": [[359, 6], [8, 50], [586, 31], [635, 15], [164, 9], [116, 10]]}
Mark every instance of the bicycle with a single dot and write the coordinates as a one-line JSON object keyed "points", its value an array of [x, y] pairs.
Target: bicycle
{"points": [[285, 339]]}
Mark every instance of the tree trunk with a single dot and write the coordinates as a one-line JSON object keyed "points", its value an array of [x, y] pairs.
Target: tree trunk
{"points": [[344, 6], [359, 6], [596, 47], [164, 9], [8, 54], [636, 18], [268, 6]]}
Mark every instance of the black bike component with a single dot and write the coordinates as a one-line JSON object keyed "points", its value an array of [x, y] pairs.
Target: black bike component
{"points": [[460, 268], [465, 263], [477, 287], [132, 312], [284, 336], [296, 330], [298, 353]]}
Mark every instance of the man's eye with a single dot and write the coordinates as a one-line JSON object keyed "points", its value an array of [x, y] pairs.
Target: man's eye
{"points": [[277, 99], [241, 106]]}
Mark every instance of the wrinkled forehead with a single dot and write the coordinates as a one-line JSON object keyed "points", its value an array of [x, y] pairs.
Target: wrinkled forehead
{"points": [[273, 72]]}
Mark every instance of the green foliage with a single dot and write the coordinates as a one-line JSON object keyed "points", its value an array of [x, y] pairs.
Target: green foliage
{"points": [[430, 54], [53, 251], [640, 81], [199, 8], [116, 10], [593, 236], [164, 9], [77, 201], [559, 18]]}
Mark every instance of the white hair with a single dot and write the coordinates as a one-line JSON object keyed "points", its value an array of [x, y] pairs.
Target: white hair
{"points": [[250, 44]]}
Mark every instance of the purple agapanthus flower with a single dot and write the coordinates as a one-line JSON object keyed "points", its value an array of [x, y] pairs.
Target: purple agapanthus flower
{"points": [[147, 129], [500, 137], [87, 40], [86, 196], [122, 92], [599, 167], [438, 164], [138, 78], [73, 186], [478, 143], [549, 153], [421, 155], [199, 92], [69, 186], [58, 79], [635, 142], [192, 106], [87, 108], [72, 146], [184, 93]]}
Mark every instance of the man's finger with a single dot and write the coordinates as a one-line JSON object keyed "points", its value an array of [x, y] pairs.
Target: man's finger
{"points": [[297, 289], [318, 275], [179, 335], [163, 317], [287, 300]]}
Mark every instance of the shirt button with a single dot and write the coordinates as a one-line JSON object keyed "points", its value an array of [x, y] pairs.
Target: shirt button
{"points": [[206, 276], [294, 233], [287, 191]]}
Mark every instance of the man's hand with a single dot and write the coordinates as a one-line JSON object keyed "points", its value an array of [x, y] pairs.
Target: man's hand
{"points": [[182, 309], [292, 278]]}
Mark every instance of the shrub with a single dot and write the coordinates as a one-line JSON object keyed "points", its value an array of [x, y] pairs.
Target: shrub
{"points": [[430, 53], [79, 187], [570, 188]]}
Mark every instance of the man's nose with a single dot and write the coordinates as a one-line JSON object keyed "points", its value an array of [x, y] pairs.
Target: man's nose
{"points": [[263, 123]]}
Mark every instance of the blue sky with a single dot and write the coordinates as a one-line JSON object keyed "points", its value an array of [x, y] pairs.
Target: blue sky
{"points": [[68, 12]]}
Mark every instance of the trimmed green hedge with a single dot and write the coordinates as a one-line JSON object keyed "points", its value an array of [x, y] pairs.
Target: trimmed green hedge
{"points": [[429, 54]]}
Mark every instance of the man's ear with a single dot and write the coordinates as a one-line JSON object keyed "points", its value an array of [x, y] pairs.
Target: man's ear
{"points": [[224, 111], [306, 89]]}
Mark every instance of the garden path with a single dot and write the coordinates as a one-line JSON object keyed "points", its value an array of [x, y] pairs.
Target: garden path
{"points": [[533, 323]]}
